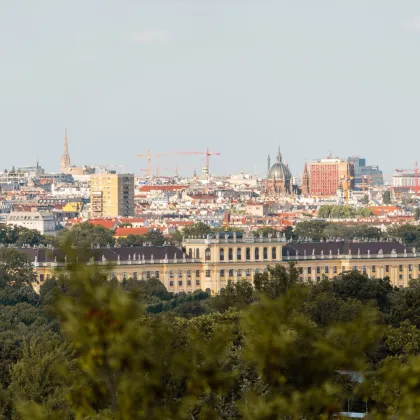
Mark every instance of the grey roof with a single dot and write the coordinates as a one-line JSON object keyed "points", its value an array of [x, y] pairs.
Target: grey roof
{"points": [[344, 247], [111, 254]]}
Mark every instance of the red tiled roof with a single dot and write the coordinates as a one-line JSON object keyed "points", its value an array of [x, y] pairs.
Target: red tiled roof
{"points": [[126, 231], [105, 223]]}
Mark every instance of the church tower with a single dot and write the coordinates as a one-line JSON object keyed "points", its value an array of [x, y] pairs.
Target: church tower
{"points": [[65, 158], [305, 181]]}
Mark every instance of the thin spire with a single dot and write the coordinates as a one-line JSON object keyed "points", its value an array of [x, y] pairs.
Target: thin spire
{"points": [[279, 157]]}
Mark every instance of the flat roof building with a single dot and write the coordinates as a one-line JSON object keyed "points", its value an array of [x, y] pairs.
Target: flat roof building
{"points": [[112, 195], [326, 176]]}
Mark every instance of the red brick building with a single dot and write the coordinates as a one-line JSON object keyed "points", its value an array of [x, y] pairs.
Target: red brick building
{"points": [[327, 174]]}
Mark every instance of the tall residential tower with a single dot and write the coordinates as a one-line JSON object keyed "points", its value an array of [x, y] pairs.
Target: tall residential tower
{"points": [[112, 195]]}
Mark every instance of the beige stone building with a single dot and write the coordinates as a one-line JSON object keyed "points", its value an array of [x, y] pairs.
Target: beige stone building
{"points": [[112, 195], [210, 262]]}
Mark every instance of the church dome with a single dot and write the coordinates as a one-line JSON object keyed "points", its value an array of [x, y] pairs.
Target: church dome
{"points": [[279, 170]]}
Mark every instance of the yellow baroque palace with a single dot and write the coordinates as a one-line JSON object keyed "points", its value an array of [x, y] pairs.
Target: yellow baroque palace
{"points": [[210, 262]]}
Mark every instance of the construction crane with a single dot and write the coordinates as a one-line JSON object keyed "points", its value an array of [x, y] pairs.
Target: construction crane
{"points": [[416, 175], [149, 161], [158, 155], [176, 169], [346, 184]]}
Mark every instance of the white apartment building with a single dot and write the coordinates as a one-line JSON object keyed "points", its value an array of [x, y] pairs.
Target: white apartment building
{"points": [[40, 220]]}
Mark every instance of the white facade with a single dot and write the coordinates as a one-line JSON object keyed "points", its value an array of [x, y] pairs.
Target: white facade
{"points": [[39, 220], [403, 180]]}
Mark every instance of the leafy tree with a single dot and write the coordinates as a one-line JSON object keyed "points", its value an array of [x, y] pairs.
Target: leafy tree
{"points": [[35, 377], [406, 305], [16, 278], [298, 361], [277, 280], [417, 213], [365, 200], [355, 285], [155, 237], [386, 197], [85, 235], [129, 366], [235, 295], [197, 229], [313, 229]]}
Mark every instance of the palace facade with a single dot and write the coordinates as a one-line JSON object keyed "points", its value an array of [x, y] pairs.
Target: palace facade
{"points": [[210, 262]]}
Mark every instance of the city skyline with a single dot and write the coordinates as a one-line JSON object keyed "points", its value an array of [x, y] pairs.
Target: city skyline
{"points": [[237, 78]]}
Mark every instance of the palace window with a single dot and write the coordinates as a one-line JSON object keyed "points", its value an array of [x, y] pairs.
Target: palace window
{"points": [[208, 254], [248, 254], [230, 254], [222, 254], [239, 254], [273, 253], [257, 253], [265, 253]]}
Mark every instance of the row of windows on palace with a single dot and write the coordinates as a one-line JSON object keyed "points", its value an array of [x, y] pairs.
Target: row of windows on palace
{"points": [[248, 272], [207, 253]]}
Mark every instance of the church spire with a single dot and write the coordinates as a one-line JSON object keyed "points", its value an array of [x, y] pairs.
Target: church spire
{"points": [[305, 181]]}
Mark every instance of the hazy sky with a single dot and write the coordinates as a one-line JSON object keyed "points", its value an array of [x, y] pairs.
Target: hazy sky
{"points": [[240, 77]]}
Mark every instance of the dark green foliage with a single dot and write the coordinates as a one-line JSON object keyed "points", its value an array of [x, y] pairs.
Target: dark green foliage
{"points": [[313, 229], [343, 212], [355, 285], [85, 235], [153, 237], [197, 229], [386, 197], [235, 295], [317, 230], [90, 348], [276, 281]]}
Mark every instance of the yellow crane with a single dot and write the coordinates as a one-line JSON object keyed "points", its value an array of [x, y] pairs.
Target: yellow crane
{"points": [[346, 184]]}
